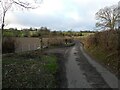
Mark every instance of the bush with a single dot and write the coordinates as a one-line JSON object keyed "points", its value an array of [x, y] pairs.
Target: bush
{"points": [[107, 40], [105, 46], [8, 45]]}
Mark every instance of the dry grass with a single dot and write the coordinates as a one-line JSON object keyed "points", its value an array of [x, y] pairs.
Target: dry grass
{"points": [[104, 47]]}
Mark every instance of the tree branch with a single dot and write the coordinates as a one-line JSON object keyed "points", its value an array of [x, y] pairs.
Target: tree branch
{"points": [[22, 4], [107, 17]]}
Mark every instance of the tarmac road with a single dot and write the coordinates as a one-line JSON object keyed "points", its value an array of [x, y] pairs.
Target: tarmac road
{"points": [[83, 72]]}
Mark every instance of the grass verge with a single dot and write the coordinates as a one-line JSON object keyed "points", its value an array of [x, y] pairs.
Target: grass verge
{"points": [[109, 60]]}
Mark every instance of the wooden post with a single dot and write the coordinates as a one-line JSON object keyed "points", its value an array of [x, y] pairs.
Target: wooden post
{"points": [[41, 43]]}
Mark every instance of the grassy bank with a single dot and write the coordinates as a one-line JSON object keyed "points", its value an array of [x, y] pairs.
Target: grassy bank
{"points": [[103, 46], [109, 60], [29, 70]]}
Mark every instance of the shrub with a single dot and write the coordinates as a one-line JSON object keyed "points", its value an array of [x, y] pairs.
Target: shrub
{"points": [[105, 46], [8, 45]]}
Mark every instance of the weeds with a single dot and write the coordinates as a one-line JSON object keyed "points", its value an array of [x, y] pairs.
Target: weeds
{"points": [[26, 71], [104, 47]]}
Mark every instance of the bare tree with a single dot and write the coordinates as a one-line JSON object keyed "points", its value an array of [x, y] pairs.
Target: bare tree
{"points": [[6, 5], [107, 17], [119, 15]]}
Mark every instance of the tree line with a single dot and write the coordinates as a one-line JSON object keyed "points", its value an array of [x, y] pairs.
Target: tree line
{"points": [[43, 31]]}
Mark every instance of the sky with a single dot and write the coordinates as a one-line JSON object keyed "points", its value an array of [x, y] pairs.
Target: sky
{"points": [[61, 15]]}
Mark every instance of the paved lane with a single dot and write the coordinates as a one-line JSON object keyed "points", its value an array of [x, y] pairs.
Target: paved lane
{"points": [[83, 72], [75, 76]]}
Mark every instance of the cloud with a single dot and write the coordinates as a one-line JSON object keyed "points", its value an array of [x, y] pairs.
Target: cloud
{"points": [[60, 14]]}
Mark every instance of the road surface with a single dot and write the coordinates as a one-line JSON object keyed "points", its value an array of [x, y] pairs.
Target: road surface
{"points": [[82, 71]]}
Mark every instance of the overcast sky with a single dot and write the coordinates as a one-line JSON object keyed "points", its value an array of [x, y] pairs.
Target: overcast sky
{"points": [[59, 15]]}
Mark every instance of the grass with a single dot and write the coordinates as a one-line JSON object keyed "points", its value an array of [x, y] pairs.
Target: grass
{"points": [[29, 70], [110, 61], [51, 64], [87, 34], [98, 53]]}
